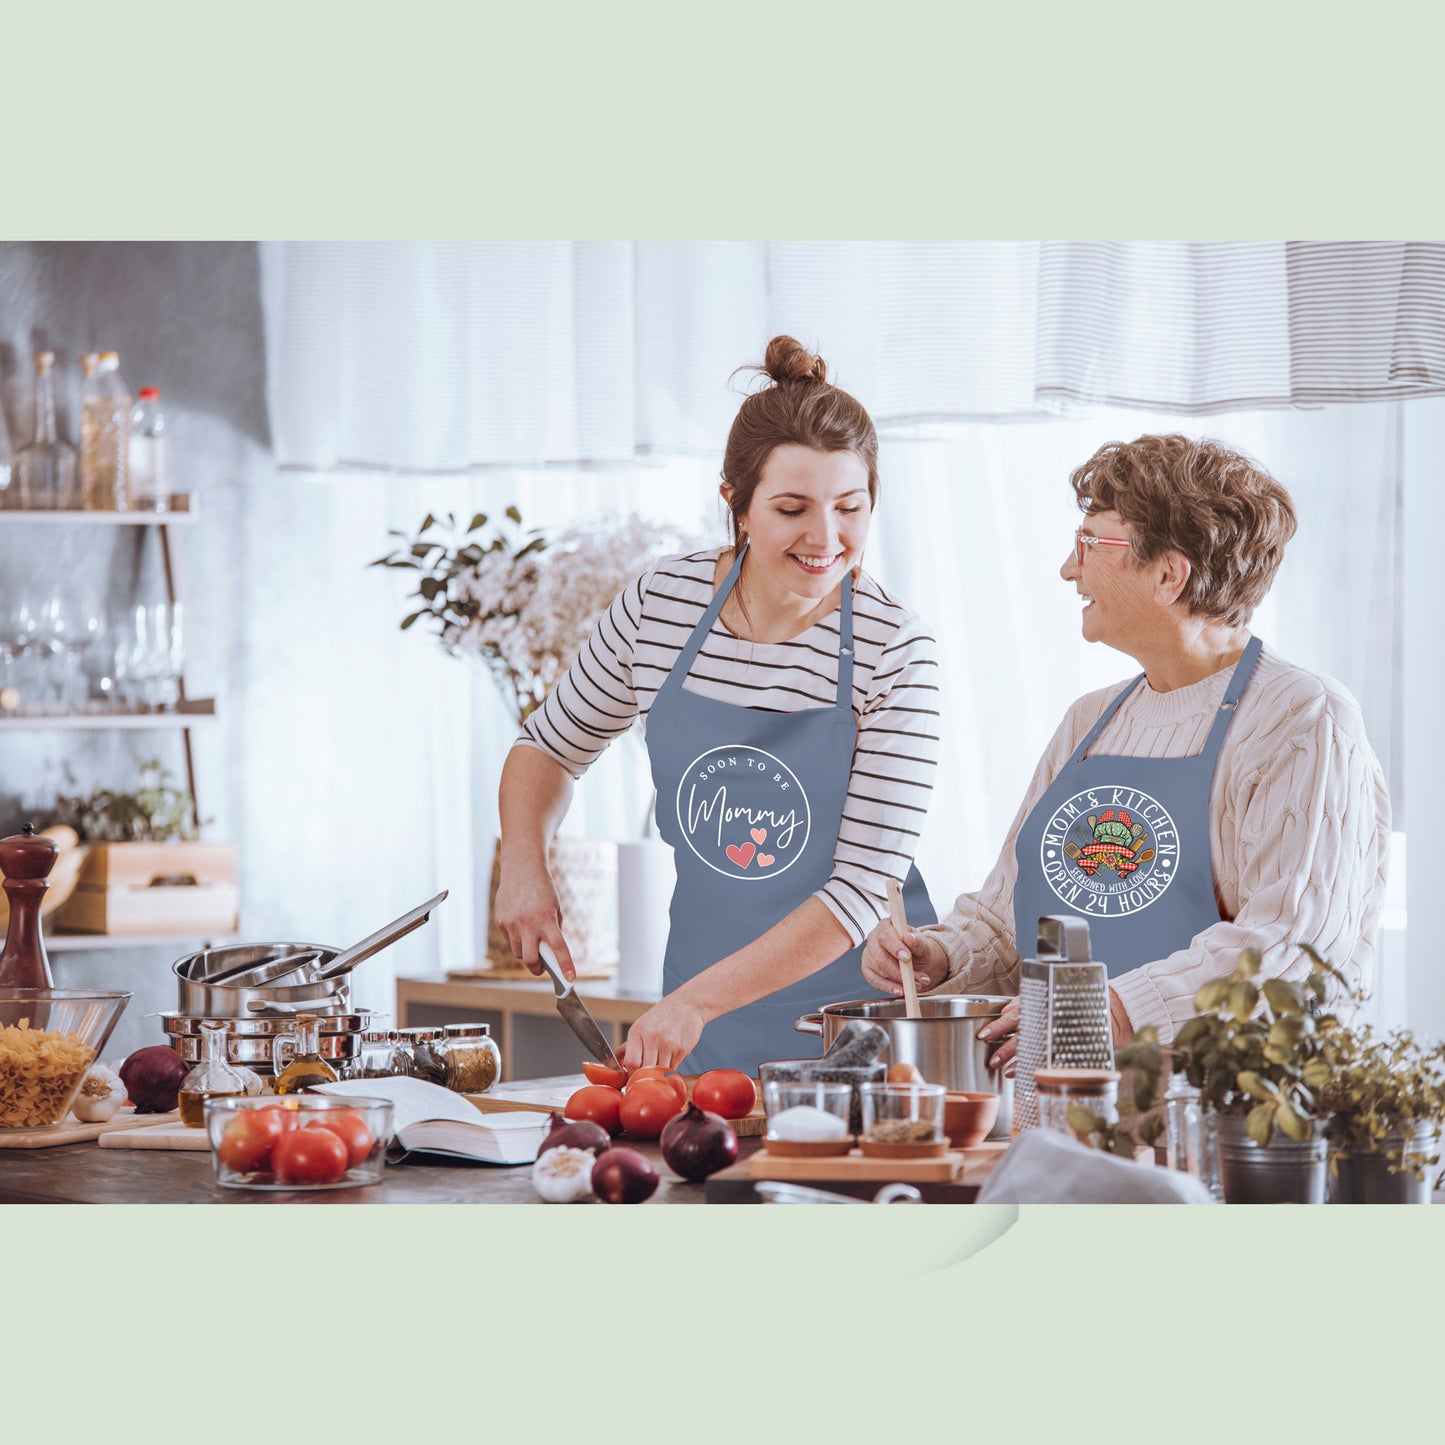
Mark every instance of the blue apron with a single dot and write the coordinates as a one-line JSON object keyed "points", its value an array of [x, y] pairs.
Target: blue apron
{"points": [[751, 802], [1123, 843]]}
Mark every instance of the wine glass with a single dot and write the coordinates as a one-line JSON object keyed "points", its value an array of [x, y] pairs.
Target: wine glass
{"points": [[80, 637]]}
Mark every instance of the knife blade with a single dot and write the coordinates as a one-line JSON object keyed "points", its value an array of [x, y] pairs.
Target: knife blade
{"points": [[574, 1011]]}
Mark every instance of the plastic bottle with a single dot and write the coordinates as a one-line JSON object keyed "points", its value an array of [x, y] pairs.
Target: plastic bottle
{"points": [[104, 437], [148, 482]]}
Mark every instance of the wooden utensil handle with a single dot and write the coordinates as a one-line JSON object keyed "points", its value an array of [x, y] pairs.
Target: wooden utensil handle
{"points": [[899, 919]]}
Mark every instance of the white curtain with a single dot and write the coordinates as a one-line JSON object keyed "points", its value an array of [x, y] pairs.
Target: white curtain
{"points": [[450, 357]]}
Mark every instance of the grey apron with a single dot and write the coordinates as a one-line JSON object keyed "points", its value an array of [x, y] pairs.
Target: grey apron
{"points": [[751, 802], [1123, 843]]}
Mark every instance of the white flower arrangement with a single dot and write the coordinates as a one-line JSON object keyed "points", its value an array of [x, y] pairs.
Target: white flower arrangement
{"points": [[524, 604]]}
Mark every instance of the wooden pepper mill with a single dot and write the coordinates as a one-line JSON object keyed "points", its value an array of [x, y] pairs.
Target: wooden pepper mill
{"points": [[26, 861]]}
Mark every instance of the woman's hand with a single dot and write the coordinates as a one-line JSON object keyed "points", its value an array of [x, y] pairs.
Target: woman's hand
{"points": [[1004, 1030], [881, 959], [528, 912], [666, 1034]]}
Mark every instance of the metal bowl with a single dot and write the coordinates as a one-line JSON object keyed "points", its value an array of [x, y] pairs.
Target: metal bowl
{"points": [[248, 1040]]}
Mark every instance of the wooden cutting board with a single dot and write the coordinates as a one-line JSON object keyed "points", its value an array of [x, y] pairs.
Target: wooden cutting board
{"points": [[74, 1132], [163, 1136], [552, 1098], [961, 1166]]}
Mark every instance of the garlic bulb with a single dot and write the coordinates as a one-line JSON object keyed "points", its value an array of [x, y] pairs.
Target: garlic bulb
{"points": [[100, 1096], [563, 1175]]}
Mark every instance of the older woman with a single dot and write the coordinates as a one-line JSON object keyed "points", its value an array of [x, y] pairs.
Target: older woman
{"points": [[1223, 797]]}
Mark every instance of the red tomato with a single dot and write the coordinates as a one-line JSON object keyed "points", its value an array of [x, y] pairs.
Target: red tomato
{"points": [[647, 1106], [655, 1074], [608, 1078], [251, 1135], [599, 1104], [309, 1156], [727, 1092], [350, 1128]]}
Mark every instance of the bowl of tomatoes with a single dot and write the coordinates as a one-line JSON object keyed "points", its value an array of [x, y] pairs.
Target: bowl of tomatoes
{"points": [[299, 1141]]}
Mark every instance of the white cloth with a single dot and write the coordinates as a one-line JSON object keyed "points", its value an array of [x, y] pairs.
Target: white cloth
{"points": [[1042, 1167]]}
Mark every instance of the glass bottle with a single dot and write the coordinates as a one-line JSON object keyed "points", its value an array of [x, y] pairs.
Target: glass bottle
{"points": [[46, 471], [212, 1078], [105, 437], [8, 494], [1180, 1095], [304, 1068], [471, 1060]]}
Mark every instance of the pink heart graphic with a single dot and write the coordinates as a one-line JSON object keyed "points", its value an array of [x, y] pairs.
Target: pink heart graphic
{"points": [[760, 836], [766, 860], [743, 855]]}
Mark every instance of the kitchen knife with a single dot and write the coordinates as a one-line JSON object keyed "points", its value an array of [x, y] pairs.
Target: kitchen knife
{"points": [[574, 1011]]}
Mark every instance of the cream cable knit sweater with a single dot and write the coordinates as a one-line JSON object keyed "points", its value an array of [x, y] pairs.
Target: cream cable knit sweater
{"points": [[1299, 836]]}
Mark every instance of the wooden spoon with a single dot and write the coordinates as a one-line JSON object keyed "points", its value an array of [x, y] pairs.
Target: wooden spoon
{"points": [[899, 919]]}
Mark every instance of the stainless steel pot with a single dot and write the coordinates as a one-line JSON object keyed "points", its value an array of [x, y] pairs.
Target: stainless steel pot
{"points": [[942, 1044], [198, 997], [249, 1041]]}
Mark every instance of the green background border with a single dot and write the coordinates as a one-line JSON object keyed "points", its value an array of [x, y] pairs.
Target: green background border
{"points": [[651, 120]]}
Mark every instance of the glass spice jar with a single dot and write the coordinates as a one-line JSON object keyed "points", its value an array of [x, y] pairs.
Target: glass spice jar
{"points": [[417, 1052], [1059, 1090], [471, 1060], [378, 1056]]}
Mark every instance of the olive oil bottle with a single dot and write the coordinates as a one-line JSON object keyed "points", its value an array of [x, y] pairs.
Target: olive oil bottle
{"points": [[212, 1078], [305, 1067]]}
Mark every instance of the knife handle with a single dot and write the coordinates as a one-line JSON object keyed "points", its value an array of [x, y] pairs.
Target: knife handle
{"points": [[548, 960]]}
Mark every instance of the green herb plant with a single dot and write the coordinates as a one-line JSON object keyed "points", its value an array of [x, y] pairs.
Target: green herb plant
{"points": [[1382, 1090], [157, 813], [1272, 1064]]}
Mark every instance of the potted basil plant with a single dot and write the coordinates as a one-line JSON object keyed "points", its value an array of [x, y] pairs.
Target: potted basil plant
{"points": [[1386, 1098], [1263, 1073]]}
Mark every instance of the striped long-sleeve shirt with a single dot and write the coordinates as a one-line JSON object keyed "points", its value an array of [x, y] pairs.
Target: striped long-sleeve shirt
{"points": [[895, 700]]}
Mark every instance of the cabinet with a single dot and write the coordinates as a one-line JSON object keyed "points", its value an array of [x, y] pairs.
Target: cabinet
{"points": [[189, 712]]}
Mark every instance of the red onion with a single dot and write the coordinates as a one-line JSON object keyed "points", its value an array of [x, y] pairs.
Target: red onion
{"points": [[576, 1134], [623, 1176], [152, 1079], [696, 1143]]}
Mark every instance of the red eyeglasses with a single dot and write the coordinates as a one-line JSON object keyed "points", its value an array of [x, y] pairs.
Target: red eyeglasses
{"points": [[1083, 540]]}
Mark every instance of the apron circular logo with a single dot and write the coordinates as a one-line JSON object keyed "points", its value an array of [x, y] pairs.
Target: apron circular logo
{"points": [[1110, 851], [743, 812]]}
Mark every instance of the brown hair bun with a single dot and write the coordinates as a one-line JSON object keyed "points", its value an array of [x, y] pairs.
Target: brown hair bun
{"points": [[789, 360]]}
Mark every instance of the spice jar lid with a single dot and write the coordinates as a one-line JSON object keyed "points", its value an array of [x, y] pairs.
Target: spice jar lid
{"points": [[422, 1035], [468, 1031], [379, 1036], [28, 854], [1074, 1081]]}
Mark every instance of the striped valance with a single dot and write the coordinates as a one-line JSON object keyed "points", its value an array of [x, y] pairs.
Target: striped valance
{"points": [[451, 356]]}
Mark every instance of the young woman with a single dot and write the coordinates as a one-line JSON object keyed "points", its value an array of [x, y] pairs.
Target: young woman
{"points": [[790, 711]]}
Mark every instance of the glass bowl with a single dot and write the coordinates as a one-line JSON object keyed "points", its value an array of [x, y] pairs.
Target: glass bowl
{"points": [[903, 1113], [833, 1101], [49, 1037], [247, 1154]]}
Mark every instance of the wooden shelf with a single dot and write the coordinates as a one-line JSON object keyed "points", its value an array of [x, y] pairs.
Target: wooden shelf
{"points": [[183, 512], [192, 712], [89, 942]]}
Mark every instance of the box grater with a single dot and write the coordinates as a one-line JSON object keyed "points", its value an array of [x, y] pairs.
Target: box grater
{"points": [[1063, 1011]]}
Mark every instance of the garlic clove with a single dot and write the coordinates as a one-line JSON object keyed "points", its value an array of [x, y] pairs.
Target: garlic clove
{"points": [[563, 1175]]}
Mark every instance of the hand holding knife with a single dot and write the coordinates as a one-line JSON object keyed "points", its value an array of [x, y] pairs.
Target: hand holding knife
{"points": [[574, 1011]]}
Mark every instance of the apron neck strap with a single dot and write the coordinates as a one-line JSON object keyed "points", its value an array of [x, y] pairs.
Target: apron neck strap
{"points": [[845, 646], [1243, 670], [1103, 722], [690, 649]]}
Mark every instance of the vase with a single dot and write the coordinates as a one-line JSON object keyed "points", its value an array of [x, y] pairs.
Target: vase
{"points": [[646, 876], [1281, 1172], [1365, 1177], [584, 873]]}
